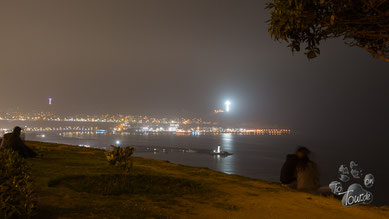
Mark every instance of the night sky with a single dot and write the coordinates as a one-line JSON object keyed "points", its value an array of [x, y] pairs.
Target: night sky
{"points": [[176, 57]]}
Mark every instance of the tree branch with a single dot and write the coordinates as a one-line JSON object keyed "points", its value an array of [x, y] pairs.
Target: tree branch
{"points": [[375, 54]]}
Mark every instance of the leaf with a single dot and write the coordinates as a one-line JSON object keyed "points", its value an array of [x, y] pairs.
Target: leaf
{"points": [[332, 19]]}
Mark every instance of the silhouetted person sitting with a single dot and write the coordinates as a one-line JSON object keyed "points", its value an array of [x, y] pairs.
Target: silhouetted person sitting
{"points": [[307, 173], [299, 171], [14, 142]]}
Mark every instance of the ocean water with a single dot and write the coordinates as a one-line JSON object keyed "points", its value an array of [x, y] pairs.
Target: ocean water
{"points": [[259, 157]]}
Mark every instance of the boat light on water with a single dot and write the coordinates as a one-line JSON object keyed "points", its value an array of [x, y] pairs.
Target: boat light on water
{"points": [[219, 151]]}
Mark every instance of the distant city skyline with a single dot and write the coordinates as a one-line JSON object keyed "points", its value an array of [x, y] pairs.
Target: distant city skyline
{"points": [[182, 58]]}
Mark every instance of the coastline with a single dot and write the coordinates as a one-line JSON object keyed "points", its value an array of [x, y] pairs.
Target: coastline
{"points": [[220, 195]]}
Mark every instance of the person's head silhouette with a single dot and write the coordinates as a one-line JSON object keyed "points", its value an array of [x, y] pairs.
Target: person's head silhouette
{"points": [[17, 131], [302, 152]]}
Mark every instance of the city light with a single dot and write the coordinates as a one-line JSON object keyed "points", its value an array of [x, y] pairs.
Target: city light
{"points": [[227, 103], [218, 111], [117, 142], [130, 124]]}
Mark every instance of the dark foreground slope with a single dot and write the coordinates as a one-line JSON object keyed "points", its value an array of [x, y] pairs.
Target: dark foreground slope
{"points": [[75, 182]]}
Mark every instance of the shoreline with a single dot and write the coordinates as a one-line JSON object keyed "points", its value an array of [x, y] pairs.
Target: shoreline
{"points": [[149, 150], [219, 195]]}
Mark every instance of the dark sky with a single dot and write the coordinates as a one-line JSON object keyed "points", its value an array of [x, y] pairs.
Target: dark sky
{"points": [[168, 57]]}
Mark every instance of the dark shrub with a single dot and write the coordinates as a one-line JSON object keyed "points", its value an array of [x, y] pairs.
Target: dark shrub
{"points": [[120, 157], [16, 193]]}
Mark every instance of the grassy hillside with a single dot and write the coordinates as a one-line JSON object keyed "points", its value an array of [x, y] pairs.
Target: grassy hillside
{"points": [[75, 182]]}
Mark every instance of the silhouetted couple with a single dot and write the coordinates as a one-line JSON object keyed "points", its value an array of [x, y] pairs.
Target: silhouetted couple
{"points": [[300, 172], [13, 141]]}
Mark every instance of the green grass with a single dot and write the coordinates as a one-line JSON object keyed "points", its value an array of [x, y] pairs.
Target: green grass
{"points": [[77, 182], [142, 184]]}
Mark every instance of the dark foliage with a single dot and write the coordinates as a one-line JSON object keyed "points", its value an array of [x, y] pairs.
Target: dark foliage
{"points": [[121, 157], [361, 23], [17, 199]]}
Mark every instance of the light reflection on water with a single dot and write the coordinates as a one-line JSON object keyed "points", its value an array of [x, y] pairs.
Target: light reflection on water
{"points": [[226, 163], [187, 150]]}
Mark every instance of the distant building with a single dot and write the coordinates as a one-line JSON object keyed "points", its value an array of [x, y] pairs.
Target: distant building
{"points": [[218, 111], [173, 126]]}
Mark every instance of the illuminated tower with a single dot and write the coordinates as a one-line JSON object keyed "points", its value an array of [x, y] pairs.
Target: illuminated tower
{"points": [[227, 103]]}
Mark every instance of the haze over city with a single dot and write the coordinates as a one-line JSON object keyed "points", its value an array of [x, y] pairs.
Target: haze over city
{"points": [[173, 57]]}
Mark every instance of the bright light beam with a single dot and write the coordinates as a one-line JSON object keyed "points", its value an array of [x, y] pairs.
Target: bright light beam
{"points": [[227, 103]]}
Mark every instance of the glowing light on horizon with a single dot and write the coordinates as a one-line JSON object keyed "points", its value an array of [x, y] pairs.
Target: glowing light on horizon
{"points": [[227, 103]]}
